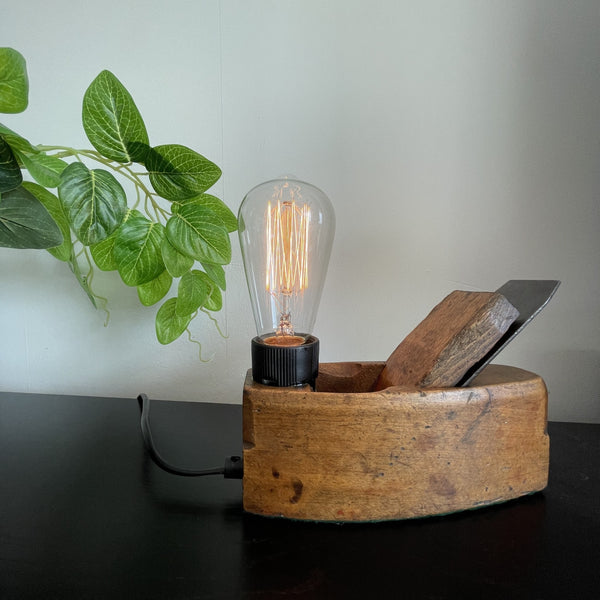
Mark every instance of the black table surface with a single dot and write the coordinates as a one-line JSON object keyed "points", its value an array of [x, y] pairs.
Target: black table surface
{"points": [[85, 514]]}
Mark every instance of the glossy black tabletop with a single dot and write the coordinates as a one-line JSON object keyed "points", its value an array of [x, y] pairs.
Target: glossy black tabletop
{"points": [[85, 514]]}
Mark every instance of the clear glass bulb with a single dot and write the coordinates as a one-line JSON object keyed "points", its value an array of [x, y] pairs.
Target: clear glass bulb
{"points": [[286, 230]]}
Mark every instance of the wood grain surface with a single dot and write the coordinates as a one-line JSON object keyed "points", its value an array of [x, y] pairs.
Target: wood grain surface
{"points": [[337, 455], [457, 333]]}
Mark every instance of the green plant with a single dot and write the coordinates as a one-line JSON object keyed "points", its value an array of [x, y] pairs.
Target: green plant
{"points": [[170, 229]]}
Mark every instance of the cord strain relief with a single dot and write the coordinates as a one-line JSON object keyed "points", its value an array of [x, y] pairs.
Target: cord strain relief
{"points": [[234, 467]]}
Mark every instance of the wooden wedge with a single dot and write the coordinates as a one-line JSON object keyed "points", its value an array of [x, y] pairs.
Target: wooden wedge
{"points": [[458, 332]]}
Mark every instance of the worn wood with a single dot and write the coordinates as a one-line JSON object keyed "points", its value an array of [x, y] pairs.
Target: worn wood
{"points": [[337, 455], [458, 332], [348, 377]]}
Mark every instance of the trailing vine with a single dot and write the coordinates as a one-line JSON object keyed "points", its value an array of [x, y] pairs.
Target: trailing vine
{"points": [[171, 229]]}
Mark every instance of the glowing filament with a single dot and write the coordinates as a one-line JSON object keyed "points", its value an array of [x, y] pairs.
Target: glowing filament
{"points": [[287, 228], [287, 248]]}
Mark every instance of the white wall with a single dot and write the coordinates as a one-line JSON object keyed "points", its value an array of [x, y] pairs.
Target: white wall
{"points": [[458, 141]]}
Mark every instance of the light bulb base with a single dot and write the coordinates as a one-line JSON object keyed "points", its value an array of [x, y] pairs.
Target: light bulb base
{"points": [[285, 366]]}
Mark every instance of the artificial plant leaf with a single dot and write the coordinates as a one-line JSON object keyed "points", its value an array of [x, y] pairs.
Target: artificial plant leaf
{"points": [[95, 202], [169, 325], [153, 291], [25, 223], [214, 301], [103, 253], [177, 264], [46, 170], [178, 172], [216, 274], [218, 207], [16, 142], [54, 206], [192, 292], [10, 173], [112, 121], [14, 84], [198, 232], [137, 249]]}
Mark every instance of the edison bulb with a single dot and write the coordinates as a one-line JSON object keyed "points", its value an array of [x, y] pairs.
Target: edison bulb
{"points": [[286, 230]]}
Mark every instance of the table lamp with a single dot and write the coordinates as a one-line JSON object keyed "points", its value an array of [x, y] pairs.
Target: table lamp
{"points": [[286, 230], [341, 442]]}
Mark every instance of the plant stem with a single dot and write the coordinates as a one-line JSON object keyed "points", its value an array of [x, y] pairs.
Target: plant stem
{"points": [[215, 323], [194, 341], [89, 278], [124, 169]]}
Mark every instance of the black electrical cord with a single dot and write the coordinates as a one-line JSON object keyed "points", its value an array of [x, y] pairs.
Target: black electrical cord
{"points": [[233, 468]]}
